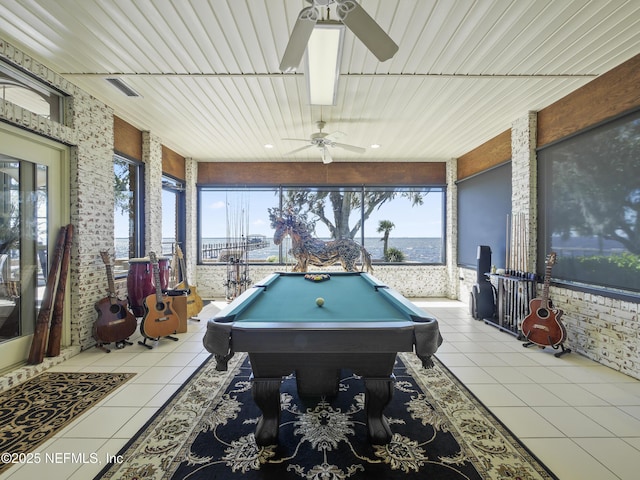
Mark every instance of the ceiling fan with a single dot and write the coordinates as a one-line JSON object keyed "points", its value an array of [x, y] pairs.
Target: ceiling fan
{"points": [[353, 16], [322, 141]]}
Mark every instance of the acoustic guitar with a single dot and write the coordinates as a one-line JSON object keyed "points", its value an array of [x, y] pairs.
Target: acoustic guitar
{"points": [[160, 319], [194, 301], [115, 322], [543, 326]]}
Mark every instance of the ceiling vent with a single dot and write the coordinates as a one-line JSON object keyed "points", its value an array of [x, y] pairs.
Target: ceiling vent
{"points": [[123, 87]]}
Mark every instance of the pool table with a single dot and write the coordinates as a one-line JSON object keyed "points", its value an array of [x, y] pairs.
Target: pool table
{"points": [[361, 326]]}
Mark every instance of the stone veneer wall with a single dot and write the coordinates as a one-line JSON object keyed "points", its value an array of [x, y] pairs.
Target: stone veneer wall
{"points": [[524, 181], [601, 328], [411, 281], [152, 158], [89, 131], [191, 207], [452, 229]]}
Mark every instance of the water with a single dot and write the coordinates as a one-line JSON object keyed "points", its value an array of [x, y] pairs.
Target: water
{"points": [[415, 250]]}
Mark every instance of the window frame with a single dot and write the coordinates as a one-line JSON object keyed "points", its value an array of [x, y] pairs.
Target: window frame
{"points": [[19, 78], [138, 210], [545, 208], [177, 187], [280, 189]]}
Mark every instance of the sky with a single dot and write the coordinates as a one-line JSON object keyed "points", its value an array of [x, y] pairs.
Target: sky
{"points": [[422, 221]]}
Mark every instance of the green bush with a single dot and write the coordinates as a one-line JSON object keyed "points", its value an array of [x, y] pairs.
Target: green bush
{"points": [[394, 255]]}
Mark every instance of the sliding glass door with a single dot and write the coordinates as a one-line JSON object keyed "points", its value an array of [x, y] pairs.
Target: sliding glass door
{"points": [[33, 206]]}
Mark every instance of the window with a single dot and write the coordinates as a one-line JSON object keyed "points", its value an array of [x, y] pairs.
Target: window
{"points": [[173, 215], [23, 244], [589, 190], [231, 218], [394, 224], [405, 225], [29, 93], [128, 212]]}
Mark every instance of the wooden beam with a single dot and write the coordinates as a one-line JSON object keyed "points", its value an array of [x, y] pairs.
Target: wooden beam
{"points": [[127, 139], [173, 163], [316, 173], [611, 94], [489, 154]]}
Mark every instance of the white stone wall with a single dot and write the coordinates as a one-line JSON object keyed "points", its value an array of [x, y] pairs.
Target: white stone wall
{"points": [[601, 328], [524, 181], [92, 204], [152, 158], [411, 281], [452, 229], [191, 207]]}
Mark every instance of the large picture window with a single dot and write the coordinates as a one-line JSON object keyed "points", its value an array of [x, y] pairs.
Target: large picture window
{"points": [[394, 224], [589, 190]]}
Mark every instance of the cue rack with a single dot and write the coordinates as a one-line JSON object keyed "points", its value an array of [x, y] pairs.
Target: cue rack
{"points": [[516, 287]]}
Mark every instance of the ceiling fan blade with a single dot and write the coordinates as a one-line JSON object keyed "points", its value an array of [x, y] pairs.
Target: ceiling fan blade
{"points": [[335, 135], [296, 139], [326, 156], [366, 29], [300, 34], [299, 149], [351, 148]]}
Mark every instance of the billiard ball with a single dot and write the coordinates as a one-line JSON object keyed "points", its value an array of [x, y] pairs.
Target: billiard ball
{"points": [[319, 301]]}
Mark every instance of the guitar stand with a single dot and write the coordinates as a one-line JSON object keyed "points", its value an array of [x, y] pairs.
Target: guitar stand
{"points": [[555, 347], [123, 343], [144, 343], [119, 344]]}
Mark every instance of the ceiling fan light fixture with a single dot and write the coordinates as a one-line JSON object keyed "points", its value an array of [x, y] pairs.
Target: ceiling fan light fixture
{"points": [[324, 54]]}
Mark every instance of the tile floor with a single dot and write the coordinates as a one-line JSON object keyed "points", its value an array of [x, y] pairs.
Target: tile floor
{"points": [[580, 418]]}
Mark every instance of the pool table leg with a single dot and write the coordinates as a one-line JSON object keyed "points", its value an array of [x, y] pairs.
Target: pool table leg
{"points": [[378, 393], [266, 394]]}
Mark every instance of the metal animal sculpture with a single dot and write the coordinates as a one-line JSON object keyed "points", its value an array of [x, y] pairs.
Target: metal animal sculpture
{"points": [[308, 250]]}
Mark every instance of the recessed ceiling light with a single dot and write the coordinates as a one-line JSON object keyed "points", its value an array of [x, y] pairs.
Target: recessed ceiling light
{"points": [[375, 145], [268, 145]]}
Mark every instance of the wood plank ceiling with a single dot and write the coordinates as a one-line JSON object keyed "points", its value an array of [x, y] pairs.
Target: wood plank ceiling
{"points": [[210, 86]]}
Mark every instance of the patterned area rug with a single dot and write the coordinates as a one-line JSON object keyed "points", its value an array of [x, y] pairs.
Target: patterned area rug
{"points": [[33, 411], [440, 431]]}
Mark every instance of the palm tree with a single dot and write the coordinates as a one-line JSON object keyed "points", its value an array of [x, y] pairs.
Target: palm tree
{"points": [[385, 226]]}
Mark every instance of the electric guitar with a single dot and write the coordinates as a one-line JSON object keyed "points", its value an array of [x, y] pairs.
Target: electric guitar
{"points": [[194, 301], [115, 322], [543, 326], [160, 319]]}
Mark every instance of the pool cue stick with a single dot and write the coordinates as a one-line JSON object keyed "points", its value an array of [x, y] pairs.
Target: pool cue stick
{"points": [[507, 243]]}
